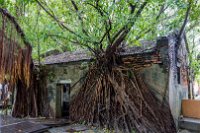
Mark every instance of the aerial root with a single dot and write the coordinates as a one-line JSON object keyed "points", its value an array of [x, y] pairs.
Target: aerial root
{"points": [[119, 102]]}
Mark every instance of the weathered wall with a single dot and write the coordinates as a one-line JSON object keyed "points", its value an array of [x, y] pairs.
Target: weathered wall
{"points": [[162, 79], [177, 91], [156, 77], [177, 84], [157, 80], [71, 72]]}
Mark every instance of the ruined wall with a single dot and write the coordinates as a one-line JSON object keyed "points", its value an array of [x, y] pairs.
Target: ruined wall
{"points": [[178, 88], [70, 72], [162, 78], [168, 81], [156, 77], [157, 80]]}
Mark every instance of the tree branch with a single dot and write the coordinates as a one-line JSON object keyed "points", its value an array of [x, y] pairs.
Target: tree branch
{"points": [[72, 41], [56, 19], [162, 10], [185, 20], [61, 24], [108, 24], [124, 31], [79, 16], [124, 27]]}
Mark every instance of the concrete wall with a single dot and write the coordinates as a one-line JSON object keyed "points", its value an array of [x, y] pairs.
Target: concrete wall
{"points": [[70, 73], [157, 80], [160, 78], [177, 91], [156, 76]]}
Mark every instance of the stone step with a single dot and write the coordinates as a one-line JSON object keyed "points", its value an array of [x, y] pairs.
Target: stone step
{"points": [[190, 124]]}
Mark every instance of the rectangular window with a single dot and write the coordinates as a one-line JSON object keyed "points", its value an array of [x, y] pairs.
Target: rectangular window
{"points": [[179, 75]]}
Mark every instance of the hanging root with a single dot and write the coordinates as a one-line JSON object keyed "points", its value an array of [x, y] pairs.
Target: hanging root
{"points": [[112, 99], [15, 63], [15, 51]]}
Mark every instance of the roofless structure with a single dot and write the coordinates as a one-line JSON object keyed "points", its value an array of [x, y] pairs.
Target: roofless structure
{"points": [[154, 83]]}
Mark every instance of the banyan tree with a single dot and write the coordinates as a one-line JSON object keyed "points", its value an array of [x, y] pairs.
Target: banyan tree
{"points": [[15, 63], [113, 95]]}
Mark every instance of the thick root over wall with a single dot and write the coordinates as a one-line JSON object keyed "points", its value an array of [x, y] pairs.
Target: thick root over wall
{"points": [[119, 100]]}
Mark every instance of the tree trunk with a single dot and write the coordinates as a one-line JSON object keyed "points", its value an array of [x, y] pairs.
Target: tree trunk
{"points": [[31, 101], [116, 97], [21, 106]]}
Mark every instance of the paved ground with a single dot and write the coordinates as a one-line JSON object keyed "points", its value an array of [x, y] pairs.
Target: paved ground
{"points": [[9, 124], [190, 124], [75, 128], [186, 131], [183, 131]]}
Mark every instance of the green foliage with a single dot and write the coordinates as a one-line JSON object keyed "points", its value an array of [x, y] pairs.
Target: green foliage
{"points": [[46, 34], [41, 29], [194, 52]]}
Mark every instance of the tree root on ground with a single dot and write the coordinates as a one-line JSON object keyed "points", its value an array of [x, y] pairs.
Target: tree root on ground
{"points": [[112, 99]]}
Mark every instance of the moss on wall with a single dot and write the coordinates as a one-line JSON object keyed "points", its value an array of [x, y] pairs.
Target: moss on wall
{"points": [[70, 72], [157, 80]]}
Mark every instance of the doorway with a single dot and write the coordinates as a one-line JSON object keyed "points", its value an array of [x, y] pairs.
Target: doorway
{"points": [[63, 100]]}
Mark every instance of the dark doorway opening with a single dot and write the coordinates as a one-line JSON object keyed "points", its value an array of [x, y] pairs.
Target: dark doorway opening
{"points": [[66, 100], [63, 101]]}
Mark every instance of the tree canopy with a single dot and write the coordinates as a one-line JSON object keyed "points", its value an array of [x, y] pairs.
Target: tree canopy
{"points": [[84, 21], [67, 25], [112, 98]]}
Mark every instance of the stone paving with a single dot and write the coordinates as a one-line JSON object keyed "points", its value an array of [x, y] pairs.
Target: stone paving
{"points": [[75, 128], [9, 124], [78, 128], [186, 131]]}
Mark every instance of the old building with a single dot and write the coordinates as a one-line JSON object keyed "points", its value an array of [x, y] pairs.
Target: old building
{"points": [[162, 65]]}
